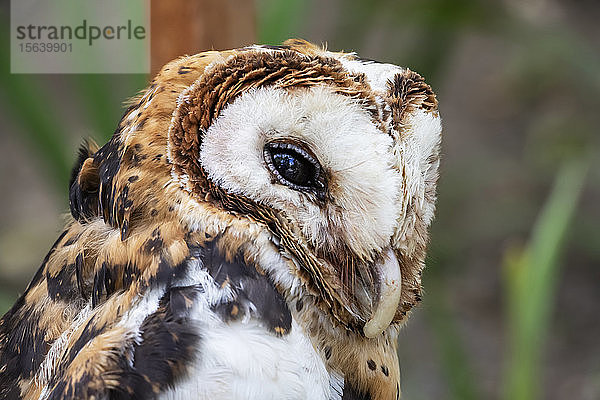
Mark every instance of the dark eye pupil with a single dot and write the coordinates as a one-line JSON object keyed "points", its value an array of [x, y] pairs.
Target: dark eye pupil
{"points": [[293, 168]]}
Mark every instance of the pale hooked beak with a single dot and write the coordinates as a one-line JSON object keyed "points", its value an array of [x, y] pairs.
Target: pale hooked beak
{"points": [[390, 284]]}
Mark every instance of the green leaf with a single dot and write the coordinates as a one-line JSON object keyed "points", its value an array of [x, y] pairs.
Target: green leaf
{"points": [[530, 277]]}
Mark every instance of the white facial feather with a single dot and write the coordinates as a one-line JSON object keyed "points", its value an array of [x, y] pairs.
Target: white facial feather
{"points": [[416, 151], [348, 145], [418, 158]]}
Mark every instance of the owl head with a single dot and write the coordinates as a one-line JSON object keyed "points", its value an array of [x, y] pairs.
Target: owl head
{"points": [[317, 168]]}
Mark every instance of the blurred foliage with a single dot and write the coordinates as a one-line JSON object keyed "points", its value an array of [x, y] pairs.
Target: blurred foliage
{"points": [[461, 376], [280, 20], [33, 105], [29, 105], [531, 276], [548, 69]]}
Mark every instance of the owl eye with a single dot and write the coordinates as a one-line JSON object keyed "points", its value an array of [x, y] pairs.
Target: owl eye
{"points": [[295, 167]]}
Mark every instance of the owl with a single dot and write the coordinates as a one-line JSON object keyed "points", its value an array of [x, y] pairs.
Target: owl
{"points": [[255, 228]]}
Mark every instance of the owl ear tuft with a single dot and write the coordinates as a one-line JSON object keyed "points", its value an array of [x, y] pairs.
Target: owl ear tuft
{"points": [[84, 183]]}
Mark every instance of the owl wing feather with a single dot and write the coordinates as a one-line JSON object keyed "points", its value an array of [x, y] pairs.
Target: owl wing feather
{"points": [[129, 341]]}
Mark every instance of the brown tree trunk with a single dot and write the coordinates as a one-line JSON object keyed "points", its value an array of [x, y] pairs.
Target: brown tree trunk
{"points": [[181, 27]]}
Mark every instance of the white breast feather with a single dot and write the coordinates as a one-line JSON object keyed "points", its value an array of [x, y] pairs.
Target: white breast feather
{"points": [[242, 360]]}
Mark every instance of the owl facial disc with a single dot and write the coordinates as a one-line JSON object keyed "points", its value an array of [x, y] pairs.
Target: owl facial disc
{"points": [[390, 283]]}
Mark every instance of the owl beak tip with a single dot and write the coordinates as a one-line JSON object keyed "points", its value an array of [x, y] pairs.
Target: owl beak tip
{"points": [[390, 284]]}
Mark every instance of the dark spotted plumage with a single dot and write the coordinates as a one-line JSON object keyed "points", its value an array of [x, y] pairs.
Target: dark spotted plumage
{"points": [[351, 393], [251, 290], [167, 345], [166, 273]]}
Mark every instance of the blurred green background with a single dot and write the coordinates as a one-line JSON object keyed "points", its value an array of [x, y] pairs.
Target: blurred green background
{"points": [[512, 284]]}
